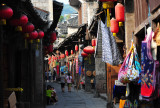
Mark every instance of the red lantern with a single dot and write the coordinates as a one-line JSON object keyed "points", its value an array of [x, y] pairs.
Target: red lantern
{"points": [[93, 42], [89, 50], [66, 53], [53, 37], [114, 26], [40, 34], [14, 22], [50, 48], [23, 20], [71, 51], [5, 13], [76, 48], [119, 13], [84, 54], [28, 28], [33, 35]]}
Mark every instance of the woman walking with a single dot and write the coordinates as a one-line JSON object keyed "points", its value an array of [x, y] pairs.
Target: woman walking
{"points": [[69, 82]]}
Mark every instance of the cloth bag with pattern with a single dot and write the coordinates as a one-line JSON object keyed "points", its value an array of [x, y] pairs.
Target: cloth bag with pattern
{"points": [[150, 71], [130, 68]]}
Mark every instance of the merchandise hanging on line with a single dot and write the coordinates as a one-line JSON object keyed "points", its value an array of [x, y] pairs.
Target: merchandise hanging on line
{"points": [[130, 68], [150, 69], [110, 51]]}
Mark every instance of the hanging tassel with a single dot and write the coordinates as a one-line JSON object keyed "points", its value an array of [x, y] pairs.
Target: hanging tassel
{"points": [[108, 18], [38, 41], [18, 28], [31, 41], [26, 36], [86, 58], [2, 21]]}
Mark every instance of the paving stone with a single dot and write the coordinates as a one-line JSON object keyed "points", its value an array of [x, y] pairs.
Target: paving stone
{"points": [[75, 99]]}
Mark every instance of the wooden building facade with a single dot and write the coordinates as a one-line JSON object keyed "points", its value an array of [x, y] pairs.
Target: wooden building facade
{"points": [[21, 65]]}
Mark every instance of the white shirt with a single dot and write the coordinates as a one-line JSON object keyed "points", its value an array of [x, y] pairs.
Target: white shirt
{"points": [[69, 80], [49, 73]]}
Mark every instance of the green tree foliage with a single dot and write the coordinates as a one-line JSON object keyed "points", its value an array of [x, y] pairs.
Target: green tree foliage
{"points": [[61, 18], [68, 16]]}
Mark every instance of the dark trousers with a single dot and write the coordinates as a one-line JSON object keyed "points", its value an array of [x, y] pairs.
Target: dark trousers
{"points": [[48, 100]]}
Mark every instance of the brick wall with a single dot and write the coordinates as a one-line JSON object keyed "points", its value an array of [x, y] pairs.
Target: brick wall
{"points": [[84, 13], [80, 16]]}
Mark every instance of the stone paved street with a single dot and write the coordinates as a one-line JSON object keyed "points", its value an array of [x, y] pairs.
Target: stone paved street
{"points": [[80, 99]]}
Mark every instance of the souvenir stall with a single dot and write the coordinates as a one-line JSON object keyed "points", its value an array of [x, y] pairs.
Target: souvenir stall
{"points": [[142, 76]]}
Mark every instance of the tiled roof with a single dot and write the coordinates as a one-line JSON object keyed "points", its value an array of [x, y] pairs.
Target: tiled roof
{"points": [[44, 14], [73, 22]]}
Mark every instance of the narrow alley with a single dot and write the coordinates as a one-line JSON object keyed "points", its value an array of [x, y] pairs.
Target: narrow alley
{"points": [[107, 49], [76, 99]]}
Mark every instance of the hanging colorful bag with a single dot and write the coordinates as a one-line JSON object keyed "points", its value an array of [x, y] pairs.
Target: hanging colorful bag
{"points": [[149, 74], [130, 68], [127, 104]]}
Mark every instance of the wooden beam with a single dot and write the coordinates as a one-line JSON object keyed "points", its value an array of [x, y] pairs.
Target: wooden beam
{"points": [[146, 22]]}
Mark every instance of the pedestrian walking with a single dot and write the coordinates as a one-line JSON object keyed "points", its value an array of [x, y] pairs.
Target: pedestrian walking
{"points": [[49, 75], [54, 75], [62, 81], [69, 82], [46, 75]]}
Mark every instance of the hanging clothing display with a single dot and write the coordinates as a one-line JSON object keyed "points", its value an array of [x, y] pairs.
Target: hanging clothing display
{"points": [[110, 51], [149, 74], [130, 68]]}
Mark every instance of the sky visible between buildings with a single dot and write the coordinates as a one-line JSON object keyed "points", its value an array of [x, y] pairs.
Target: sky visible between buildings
{"points": [[63, 1]]}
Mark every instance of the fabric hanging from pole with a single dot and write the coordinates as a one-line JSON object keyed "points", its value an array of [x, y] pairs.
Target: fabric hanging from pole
{"points": [[110, 51]]}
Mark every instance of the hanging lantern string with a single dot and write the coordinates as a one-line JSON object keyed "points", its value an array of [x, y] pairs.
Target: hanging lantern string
{"points": [[108, 18]]}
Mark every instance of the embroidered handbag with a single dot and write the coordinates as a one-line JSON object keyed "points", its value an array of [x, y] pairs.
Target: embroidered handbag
{"points": [[130, 68]]}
